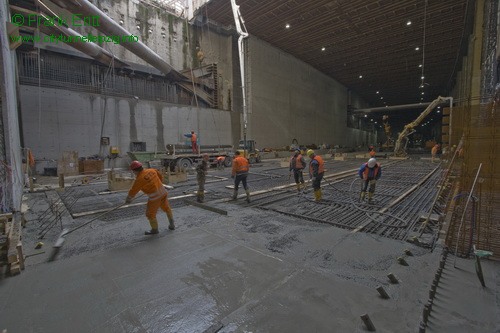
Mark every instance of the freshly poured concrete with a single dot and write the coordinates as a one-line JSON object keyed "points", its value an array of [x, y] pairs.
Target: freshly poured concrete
{"points": [[250, 271], [253, 270]]}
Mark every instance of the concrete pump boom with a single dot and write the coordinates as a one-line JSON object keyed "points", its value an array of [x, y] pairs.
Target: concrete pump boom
{"points": [[399, 148]]}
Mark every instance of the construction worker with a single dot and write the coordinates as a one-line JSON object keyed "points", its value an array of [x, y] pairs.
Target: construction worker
{"points": [[201, 174], [194, 142], [149, 181], [240, 174], [297, 165], [370, 172], [371, 151], [434, 151], [220, 162], [316, 172]]}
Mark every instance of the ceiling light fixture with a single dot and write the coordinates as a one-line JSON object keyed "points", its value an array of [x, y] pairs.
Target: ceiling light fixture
{"points": [[287, 26], [417, 48], [423, 46], [378, 92], [361, 76], [323, 48], [408, 23]]}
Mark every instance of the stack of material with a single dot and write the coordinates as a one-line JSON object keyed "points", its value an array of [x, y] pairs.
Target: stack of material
{"points": [[11, 248]]}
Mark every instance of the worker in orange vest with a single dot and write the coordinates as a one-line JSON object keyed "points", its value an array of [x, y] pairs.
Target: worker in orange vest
{"points": [[240, 174], [220, 162], [150, 181], [297, 165], [371, 151], [370, 172], [194, 142], [316, 172], [434, 151]]}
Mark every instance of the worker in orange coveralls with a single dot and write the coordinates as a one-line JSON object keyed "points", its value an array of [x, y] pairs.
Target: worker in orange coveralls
{"points": [[194, 142], [434, 151], [150, 182]]}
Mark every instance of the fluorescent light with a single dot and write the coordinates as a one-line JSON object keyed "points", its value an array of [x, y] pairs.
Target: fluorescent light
{"points": [[417, 48], [323, 48], [408, 23], [287, 26]]}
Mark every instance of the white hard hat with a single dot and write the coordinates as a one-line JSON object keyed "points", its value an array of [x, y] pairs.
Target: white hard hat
{"points": [[372, 162]]}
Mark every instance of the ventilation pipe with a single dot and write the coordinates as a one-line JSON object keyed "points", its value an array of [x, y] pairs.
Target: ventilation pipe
{"points": [[111, 28]]}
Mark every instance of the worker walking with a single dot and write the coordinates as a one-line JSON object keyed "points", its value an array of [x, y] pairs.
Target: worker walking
{"points": [[201, 174], [194, 142], [297, 165], [370, 172], [240, 174], [316, 172], [434, 151], [150, 181]]}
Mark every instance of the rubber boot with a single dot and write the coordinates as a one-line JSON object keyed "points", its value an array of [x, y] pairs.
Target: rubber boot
{"points": [[248, 195], [362, 196], [235, 194], [320, 195], [317, 195], [298, 187], [171, 224], [154, 227], [370, 197], [200, 196]]}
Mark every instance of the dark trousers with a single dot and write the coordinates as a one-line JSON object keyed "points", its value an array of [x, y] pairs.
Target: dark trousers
{"points": [[316, 184], [240, 178], [298, 176], [369, 182]]}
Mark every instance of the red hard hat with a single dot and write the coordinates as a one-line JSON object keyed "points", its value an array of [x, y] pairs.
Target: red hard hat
{"points": [[135, 165]]}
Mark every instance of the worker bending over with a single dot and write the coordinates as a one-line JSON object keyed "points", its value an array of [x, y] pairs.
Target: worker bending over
{"points": [[297, 165], [316, 172], [201, 175], [240, 174], [220, 162], [370, 172], [150, 181]]}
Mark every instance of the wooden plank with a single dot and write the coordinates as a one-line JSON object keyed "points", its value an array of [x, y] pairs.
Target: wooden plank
{"points": [[20, 254]]}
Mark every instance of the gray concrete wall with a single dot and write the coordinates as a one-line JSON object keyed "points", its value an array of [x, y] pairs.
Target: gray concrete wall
{"points": [[12, 180], [68, 121], [290, 99]]}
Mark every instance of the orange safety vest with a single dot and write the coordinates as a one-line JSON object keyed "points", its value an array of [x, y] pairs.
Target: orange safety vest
{"points": [[193, 137], [321, 165], [240, 165], [148, 181], [367, 170], [298, 161]]}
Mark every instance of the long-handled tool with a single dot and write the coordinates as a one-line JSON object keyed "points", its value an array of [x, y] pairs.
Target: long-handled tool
{"points": [[60, 241]]}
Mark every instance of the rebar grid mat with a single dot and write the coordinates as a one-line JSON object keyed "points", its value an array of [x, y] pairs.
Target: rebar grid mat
{"points": [[478, 225], [341, 207]]}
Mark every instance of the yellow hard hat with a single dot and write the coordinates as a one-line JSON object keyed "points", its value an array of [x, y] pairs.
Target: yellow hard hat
{"points": [[310, 152]]}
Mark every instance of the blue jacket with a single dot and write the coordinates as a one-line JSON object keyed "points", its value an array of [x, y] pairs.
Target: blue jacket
{"points": [[373, 173]]}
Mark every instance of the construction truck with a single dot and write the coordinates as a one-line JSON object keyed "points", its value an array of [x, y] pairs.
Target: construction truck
{"points": [[402, 141], [181, 157], [249, 151]]}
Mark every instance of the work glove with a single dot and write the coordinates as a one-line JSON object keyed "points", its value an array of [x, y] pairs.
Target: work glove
{"points": [[128, 200]]}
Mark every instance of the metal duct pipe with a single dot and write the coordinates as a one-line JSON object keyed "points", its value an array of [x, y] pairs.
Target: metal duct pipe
{"points": [[111, 28], [393, 108]]}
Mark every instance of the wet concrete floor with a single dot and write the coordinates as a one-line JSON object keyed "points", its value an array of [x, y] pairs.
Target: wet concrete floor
{"points": [[251, 270]]}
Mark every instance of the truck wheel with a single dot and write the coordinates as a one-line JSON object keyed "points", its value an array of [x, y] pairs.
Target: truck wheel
{"points": [[252, 160], [258, 160], [228, 162], [184, 163]]}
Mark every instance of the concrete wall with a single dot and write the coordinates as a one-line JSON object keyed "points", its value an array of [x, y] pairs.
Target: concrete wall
{"points": [[12, 178], [291, 100], [70, 120]]}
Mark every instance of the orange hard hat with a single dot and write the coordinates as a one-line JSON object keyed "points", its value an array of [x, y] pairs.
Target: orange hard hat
{"points": [[135, 165]]}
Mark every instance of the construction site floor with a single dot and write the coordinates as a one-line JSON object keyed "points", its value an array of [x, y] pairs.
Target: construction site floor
{"points": [[281, 263]]}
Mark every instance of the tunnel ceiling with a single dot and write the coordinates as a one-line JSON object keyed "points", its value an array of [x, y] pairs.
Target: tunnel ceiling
{"points": [[365, 38]]}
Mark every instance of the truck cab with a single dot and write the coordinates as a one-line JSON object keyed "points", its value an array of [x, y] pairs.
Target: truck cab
{"points": [[251, 153]]}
